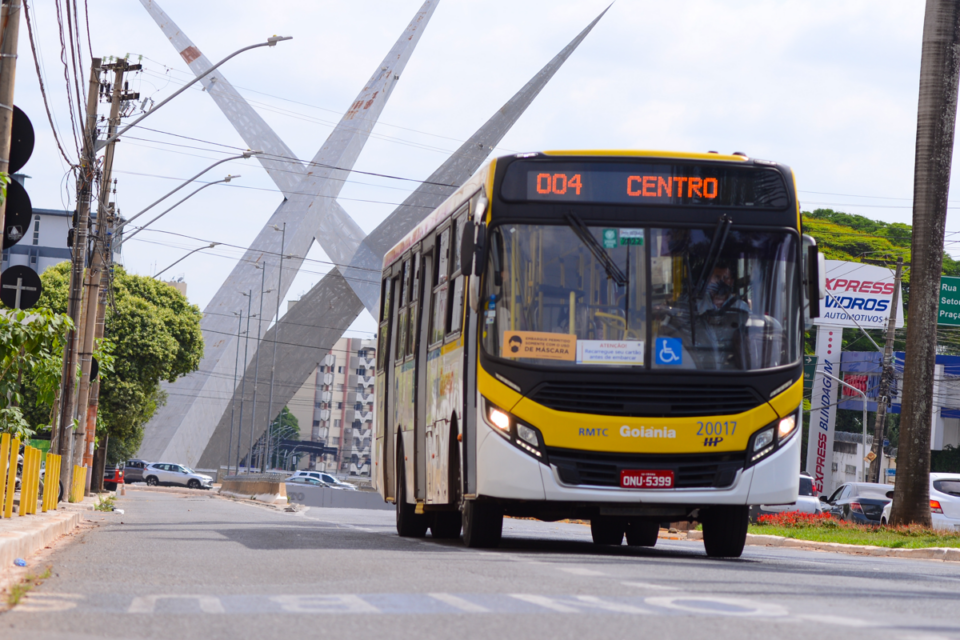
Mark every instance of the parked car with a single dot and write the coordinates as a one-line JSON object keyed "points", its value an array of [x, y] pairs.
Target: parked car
{"points": [[860, 502], [325, 477], [112, 478], [307, 480], [133, 471], [166, 473], [807, 502], [944, 502]]}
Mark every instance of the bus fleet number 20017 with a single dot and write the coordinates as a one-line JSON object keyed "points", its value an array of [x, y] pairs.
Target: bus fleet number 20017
{"points": [[716, 428]]}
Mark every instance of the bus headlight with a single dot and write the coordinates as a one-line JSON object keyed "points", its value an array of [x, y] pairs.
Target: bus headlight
{"points": [[520, 435], [770, 438]]}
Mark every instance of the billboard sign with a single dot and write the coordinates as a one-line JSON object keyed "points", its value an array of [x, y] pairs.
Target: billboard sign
{"points": [[858, 294]]}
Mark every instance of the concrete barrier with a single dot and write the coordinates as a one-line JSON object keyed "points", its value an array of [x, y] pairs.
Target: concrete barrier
{"points": [[261, 489], [310, 496]]}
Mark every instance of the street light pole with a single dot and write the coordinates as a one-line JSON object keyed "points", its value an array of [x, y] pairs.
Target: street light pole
{"points": [[209, 246], [271, 42], [233, 403], [171, 208], [276, 334], [243, 382], [256, 370]]}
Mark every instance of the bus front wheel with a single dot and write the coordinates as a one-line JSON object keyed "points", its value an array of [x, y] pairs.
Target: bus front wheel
{"points": [[642, 533], [725, 531], [607, 530], [482, 524]]}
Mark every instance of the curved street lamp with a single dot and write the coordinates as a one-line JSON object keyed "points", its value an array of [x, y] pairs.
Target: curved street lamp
{"points": [[209, 246]]}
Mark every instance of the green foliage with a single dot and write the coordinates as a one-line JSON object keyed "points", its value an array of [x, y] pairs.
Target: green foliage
{"points": [[153, 335], [31, 345], [946, 461], [285, 426]]}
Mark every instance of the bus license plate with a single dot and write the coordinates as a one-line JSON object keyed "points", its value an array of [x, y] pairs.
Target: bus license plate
{"points": [[657, 479]]}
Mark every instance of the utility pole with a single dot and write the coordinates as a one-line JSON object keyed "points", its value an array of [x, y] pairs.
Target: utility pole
{"points": [[233, 404], [276, 338], [99, 263], [886, 377], [9, 32], [256, 370], [63, 434], [243, 381]]}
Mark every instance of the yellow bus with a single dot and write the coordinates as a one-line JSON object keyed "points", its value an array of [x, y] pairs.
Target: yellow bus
{"points": [[614, 336]]}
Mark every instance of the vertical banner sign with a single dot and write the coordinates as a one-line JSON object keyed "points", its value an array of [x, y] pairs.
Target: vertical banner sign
{"points": [[823, 408]]}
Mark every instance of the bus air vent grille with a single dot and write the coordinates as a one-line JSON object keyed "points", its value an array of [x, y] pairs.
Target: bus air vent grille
{"points": [[646, 401], [690, 471]]}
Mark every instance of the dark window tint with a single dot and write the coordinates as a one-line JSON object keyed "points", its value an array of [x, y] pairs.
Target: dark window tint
{"points": [[948, 486], [806, 487]]}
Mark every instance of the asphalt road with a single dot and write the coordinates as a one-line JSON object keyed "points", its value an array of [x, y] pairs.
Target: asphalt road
{"points": [[190, 565]]}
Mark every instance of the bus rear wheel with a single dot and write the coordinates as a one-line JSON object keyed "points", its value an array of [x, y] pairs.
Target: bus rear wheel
{"points": [[725, 531], [410, 524], [607, 530], [642, 533], [482, 524]]}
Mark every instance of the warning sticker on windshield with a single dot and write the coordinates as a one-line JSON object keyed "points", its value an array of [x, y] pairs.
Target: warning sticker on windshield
{"points": [[628, 352], [536, 344], [631, 236]]}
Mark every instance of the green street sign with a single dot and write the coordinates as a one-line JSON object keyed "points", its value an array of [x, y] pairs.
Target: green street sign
{"points": [[610, 239], [949, 312], [809, 370]]}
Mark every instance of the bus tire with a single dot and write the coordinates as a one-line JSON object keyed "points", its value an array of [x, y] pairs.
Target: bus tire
{"points": [[725, 531], [482, 524], [642, 533], [606, 530], [410, 524], [446, 525]]}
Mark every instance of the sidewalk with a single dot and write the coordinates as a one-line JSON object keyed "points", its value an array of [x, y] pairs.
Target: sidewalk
{"points": [[20, 537]]}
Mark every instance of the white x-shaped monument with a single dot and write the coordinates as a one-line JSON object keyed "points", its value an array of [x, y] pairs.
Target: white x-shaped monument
{"points": [[194, 426]]}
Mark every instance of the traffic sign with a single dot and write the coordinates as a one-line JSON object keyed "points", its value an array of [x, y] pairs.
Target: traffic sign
{"points": [[20, 287], [809, 371], [18, 216], [949, 298], [21, 140]]}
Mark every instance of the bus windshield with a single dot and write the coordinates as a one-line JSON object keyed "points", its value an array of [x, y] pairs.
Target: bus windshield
{"points": [[577, 295]]}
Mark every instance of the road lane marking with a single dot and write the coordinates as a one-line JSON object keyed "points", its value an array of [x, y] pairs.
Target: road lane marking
{"points": [[580, 571], [647, 585], [458, 603], [577, 604], [739, 607], [841, 621], [49, 602], [148, 604], [316, 603]]}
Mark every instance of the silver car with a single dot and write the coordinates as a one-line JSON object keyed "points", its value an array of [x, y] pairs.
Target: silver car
{"points": [[325, 478], [166, 473]]}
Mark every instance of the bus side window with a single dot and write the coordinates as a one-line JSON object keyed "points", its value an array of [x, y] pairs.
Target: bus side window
{"points": [[439, 298], [455, 315], [443, 263], [402, 319], [414, 327], [383, 336]]}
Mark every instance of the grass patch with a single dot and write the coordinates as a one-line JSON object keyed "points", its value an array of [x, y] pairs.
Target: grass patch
{"points": [[823, 528], [105, 504], [29, 582]]}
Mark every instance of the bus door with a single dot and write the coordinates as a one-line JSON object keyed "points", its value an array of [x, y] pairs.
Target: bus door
{"points": [[413, 357], [389, 423]]}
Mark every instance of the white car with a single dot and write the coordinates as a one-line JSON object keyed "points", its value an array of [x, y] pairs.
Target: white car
{"points": [[807, 502], [944, 502], [324, 477], [166, 473]]}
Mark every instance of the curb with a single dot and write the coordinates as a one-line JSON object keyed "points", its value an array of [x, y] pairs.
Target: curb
{"points": [[21, 537], [931, 553]]}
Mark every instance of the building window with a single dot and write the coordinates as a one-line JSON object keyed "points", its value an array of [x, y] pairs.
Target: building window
{"points": [[359, 388], [850, 470], [33, 259], [358, 407], [339, 369], [336, 423], [361, 371], [339, 405], [316, 423], [361, 354], [335, 440], [319, 405]]}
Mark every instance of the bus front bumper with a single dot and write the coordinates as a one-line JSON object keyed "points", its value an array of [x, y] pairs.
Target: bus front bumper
{"points": [[506, 472]]}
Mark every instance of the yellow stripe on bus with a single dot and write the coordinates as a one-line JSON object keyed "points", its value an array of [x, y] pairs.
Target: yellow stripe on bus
{"points": [[646, 153], [788, 401]]}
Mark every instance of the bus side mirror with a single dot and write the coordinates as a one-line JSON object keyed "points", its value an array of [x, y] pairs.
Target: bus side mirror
{"points": [[814, 278], [467, 248]]}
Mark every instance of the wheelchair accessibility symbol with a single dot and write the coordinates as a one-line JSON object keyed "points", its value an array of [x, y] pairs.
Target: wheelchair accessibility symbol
{"points": [[669, 351]]}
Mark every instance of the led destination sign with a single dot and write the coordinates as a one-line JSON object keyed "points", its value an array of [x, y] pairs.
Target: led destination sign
{"points": [[637, 183]]}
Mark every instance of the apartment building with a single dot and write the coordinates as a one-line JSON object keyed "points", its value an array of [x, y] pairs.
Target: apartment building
{"points": [[341, 414]]}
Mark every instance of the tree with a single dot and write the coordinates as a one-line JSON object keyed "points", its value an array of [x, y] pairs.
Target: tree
{"points": [[284, 427], [156, 337], [936, 123], [31, 344]]}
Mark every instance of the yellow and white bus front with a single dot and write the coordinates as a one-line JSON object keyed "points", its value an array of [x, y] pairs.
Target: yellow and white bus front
{"points": [[638, 350]]}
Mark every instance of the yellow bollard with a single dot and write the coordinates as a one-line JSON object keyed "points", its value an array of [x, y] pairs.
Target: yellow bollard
{"points": [[45, 500], [82, 486], [4, 455], [56, 482], [23, 509], [48, 481], [11, 478], [33, 482]]}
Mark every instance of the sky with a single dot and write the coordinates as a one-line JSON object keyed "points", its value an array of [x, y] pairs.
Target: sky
{"points": [[828, 88]]}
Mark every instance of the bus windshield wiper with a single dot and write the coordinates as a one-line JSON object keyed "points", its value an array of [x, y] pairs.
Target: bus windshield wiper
{"points": [[713, 254], [613, 271]]}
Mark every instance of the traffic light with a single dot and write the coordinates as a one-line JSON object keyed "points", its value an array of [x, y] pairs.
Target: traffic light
{"points": [[19, 286]]}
